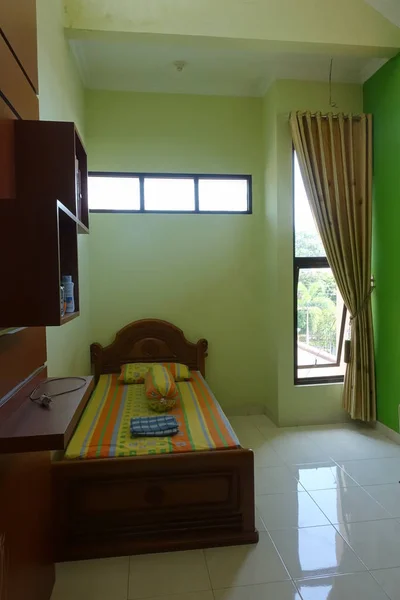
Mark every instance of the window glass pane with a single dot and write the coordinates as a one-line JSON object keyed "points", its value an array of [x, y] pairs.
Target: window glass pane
{"points": [[114, 193], [168, 194], [307, 238], [223, 195], [319, 320]]}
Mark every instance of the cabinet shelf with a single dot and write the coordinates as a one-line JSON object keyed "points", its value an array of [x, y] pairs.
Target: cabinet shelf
{"points": [[42, 222], [69, 317], [82, 228]]}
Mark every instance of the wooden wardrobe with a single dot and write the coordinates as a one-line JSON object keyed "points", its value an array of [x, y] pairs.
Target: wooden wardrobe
{"points": [[26, 564]]}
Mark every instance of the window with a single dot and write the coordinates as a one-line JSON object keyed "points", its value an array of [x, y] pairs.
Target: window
{"points": [[168, 194], [124, 192], [223, 195], [320, 316]]}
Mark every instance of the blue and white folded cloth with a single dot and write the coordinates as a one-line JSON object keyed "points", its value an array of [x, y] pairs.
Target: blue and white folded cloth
{"points": [[154, 426]]}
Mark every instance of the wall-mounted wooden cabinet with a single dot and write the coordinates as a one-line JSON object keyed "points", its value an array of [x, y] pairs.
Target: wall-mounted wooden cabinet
{"points": [[51, 166], [14, 85], [38, 228], [18, 27]]}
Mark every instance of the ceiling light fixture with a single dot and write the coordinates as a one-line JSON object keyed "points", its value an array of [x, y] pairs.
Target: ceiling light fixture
{"points": [[180, 65]]}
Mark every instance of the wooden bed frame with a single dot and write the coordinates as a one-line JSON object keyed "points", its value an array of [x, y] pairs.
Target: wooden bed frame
{"points": [[133, 505]]}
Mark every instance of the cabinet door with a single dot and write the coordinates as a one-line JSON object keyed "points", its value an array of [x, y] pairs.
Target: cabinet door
{"points": [[3, 566], [7, 168], [25, 526], [18, 25], [14, 86]]}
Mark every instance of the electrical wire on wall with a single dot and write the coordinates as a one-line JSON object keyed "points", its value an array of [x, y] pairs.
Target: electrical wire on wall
{"points": [[332, 104], [42, 395]]}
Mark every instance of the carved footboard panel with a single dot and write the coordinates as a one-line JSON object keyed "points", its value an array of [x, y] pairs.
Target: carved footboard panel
{"points": [[153, 504]]}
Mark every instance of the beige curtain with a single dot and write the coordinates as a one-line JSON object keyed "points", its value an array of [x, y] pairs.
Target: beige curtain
{"points": [[335, 158]]}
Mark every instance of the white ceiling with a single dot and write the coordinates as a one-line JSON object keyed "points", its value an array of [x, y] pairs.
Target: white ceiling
{"points": [[145, 64], [388, 8]]}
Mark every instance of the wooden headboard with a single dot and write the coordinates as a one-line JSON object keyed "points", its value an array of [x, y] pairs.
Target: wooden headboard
{"points": [[148, 340]]}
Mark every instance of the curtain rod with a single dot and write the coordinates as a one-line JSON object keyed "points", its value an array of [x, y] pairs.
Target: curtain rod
{"points": [[334, 115]]}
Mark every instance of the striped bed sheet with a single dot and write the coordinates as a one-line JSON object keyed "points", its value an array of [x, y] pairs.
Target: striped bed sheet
{"points": [[104, 428]]}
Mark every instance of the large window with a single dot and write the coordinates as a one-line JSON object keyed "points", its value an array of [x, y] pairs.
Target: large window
{"points": [[122, 192], [320, 316]]}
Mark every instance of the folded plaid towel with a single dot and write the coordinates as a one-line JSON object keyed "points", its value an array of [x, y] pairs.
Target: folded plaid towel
{"points": [[154, 426]]}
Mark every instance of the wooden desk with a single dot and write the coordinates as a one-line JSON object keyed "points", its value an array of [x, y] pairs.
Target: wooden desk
{"points": [[32, 428]]}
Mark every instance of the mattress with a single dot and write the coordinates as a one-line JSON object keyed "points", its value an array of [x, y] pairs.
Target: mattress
{"points": [[103, 430]]}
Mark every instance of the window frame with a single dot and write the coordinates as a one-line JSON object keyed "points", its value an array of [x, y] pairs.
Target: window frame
{"points": [[195, 176], [311, 262]]}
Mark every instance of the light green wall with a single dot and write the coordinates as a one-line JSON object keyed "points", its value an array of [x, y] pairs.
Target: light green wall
{"points": [[61, 91], [270, 161], [205, 273], [224, 277], [227, 278], [352, 23], [301, 404], [61, 99]]}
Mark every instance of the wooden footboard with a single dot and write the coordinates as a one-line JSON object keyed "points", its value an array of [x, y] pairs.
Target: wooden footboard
{"points": [[113, 507]]}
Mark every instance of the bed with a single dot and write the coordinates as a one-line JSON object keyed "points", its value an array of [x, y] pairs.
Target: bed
{"points": [[115, 495]]}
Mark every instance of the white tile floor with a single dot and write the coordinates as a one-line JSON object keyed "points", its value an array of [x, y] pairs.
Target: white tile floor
{"points": [[328, 512]]}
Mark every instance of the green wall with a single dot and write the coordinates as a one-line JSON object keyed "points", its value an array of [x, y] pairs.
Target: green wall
{"points": [[61, 99], [205, 273], [382, 99]]}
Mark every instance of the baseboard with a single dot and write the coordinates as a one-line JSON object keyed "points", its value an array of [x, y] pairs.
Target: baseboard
{"points": [[271, 415], [244, 411], [390, 433]]}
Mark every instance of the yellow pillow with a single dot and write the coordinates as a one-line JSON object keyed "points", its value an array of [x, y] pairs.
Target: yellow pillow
{"points": [[134, 372], [160, 388], [179, 372]]}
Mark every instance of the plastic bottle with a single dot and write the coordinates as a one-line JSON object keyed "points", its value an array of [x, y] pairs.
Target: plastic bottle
{"points": [[69, 293], [62, 300]]}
